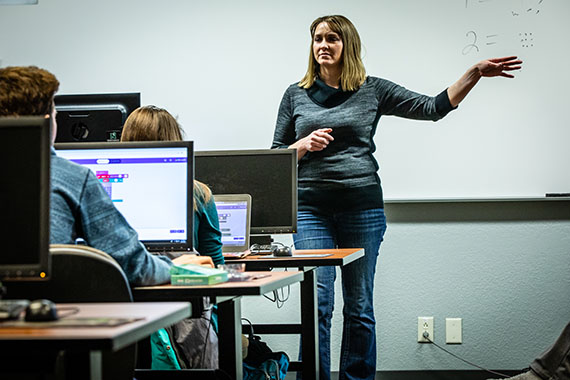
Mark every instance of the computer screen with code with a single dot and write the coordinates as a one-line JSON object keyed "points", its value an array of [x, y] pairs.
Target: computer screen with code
{"points": [[150, 184]]}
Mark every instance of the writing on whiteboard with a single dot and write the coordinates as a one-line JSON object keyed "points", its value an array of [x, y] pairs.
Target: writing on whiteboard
{"points": [[525, 6], [474, 42]]}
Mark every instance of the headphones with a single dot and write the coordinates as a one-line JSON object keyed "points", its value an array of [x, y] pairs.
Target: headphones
{"points": [[280, 249]]}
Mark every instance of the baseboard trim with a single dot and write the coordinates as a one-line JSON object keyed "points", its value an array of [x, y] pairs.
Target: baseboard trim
{"points": [[430, 375], [441, 375]]}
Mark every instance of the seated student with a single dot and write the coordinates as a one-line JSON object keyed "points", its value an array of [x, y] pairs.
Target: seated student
{"points": [[150, 123], [79, 206], [194, 339], [553, 364]]}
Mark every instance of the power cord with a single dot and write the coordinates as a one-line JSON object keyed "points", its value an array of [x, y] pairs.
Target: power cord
{"points": [[283, 297], [250, 326], [280, 299], [426, 336]]}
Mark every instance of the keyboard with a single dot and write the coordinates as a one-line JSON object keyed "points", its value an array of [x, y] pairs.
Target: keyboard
{"points": [[11, 309], [236, 255], [261, 249]]}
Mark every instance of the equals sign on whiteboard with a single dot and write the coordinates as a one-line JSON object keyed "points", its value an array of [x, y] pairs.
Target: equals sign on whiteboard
{"points": [[491, 39]]}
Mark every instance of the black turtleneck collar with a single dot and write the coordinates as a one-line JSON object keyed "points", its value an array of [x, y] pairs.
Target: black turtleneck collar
{"points": [[327, 96]]}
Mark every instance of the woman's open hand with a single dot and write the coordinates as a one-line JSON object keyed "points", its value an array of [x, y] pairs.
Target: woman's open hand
{"points": [[499, 66], [493, 67]]}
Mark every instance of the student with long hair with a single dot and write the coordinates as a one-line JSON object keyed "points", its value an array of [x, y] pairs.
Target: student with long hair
{"points": [[190, 343], [151, 123]]}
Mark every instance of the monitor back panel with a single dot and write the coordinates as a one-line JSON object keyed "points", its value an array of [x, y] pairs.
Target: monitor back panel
{"points": [[24, 197], [268, 175]]}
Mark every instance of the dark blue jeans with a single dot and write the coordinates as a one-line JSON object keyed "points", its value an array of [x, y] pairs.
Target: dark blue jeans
{"points": [[353, 229]]}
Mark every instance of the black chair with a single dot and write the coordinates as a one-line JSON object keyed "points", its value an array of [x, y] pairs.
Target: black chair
{"points": [[83, 274], [78, 274]]}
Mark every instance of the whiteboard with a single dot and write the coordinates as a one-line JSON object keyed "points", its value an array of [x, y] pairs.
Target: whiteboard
{"points": [[221, 67]]}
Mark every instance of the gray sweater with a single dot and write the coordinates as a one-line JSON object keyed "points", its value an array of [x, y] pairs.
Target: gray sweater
{"points": [[346, 171]]}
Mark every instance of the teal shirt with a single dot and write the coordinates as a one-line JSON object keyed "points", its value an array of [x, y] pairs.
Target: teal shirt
{"points": [[208, 242], [207, 235]]}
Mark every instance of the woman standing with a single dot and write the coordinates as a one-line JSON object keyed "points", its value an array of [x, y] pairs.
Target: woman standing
{"points": [[330, 117]]}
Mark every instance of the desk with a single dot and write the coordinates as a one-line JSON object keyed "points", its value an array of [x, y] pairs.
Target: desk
{"points": [[308, 328], [228, 297], [95, 340]]}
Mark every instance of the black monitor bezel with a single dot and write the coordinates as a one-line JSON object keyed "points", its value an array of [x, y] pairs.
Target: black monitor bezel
{"points": [[151, 245], [292, 153], [126, 102], [42, 268]]}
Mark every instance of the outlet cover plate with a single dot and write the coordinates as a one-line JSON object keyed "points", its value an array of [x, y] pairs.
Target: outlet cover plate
{"points": [[453, 333], [425, 324]]}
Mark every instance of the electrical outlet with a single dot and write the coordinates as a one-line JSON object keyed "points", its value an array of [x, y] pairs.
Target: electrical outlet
{"points": [[425, 324], [453, 331]]}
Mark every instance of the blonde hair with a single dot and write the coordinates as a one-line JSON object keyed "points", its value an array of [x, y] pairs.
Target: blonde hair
{"points": [[353, 73], [150, 123]]}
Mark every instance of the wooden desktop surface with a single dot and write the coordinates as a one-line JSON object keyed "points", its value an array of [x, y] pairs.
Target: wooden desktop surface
{"points": [[267, 282], [154, 317], [304, 258]]}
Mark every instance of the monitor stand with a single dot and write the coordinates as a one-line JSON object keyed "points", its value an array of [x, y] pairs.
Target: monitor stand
{"points": [[261, 244], [261, 240]]}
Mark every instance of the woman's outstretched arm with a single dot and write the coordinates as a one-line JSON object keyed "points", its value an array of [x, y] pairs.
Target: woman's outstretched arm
{"points": [[488, 68]]}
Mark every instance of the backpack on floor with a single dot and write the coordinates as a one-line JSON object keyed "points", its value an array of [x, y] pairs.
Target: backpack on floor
{"points": [[261, 363]]}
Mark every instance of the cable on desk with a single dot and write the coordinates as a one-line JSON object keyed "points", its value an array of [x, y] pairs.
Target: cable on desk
{"points": [[71, 311]]}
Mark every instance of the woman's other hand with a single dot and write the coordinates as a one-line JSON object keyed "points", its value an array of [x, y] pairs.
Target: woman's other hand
{"points": [[315, 142]]}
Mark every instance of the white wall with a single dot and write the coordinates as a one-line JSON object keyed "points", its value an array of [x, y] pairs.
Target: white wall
{"points": [[222, 67], [503, 267]]}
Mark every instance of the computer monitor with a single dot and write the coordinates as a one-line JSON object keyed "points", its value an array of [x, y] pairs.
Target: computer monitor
{"points": [[24, 198], [150, 183], [93, 117], [268, 175]]}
